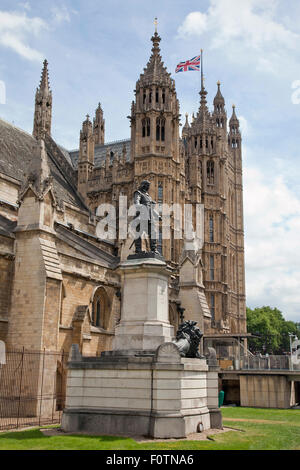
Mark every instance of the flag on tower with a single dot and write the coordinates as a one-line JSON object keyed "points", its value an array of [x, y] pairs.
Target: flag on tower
{"points": [[192, 64]]}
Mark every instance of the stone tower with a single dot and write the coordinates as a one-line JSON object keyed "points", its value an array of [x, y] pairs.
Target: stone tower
{"points": [[155, 138], [86, 154], [43, 106], [236, 266], [99, 126], [214, 177]]}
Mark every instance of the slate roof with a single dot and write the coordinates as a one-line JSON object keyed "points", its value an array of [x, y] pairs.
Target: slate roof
{"points": [[17, 149], [100, 152], [85, 247]]}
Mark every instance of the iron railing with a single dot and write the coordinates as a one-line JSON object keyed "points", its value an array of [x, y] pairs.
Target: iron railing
{"points": [[32, 388]]}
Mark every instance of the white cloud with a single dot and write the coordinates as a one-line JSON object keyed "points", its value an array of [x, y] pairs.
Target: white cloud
{"points": [[25, 5], [194, 24], [247, 30], [249, 20], [272, 226], [60, 14], [15, 31]]}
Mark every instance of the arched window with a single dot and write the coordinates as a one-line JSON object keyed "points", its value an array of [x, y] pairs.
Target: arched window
{"points": [[144, 97], [212, 307], [156, 95], [150, 96], [210, 172], [211, 268], [163, 96], [160, 193], [211, 229], [100, 309], [160, 129], [146, 127]]}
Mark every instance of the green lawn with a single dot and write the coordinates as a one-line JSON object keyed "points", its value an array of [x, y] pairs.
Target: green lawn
{"points": [[259, 429]]}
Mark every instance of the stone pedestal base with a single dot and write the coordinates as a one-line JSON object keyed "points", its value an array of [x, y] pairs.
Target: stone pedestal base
{"points": [[156, 394], [145, 308]]}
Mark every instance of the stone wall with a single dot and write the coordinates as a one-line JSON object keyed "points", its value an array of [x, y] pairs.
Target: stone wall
{"points": [[162, 396], [266, 391]]}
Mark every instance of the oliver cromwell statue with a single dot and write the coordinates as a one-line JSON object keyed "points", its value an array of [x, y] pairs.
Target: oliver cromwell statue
{"points": [[147, 219]]}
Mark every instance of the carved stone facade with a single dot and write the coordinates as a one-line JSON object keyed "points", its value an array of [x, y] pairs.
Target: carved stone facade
{"points": [[59, 283]]}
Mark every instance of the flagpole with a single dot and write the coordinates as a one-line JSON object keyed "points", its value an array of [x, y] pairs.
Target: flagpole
{"points": [[202, 81]]}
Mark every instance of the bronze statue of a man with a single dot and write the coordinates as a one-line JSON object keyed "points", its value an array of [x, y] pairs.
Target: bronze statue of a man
{"points": [[148, 217]]}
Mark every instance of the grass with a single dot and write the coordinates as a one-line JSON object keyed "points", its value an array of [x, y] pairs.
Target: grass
{"points": [[260, 429]]}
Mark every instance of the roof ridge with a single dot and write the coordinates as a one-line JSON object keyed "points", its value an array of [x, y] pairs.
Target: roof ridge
{"points": [[18, 128], [106, 144]]}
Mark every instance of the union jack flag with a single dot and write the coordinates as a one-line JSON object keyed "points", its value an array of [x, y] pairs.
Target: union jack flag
{"points": [[193, 64]]}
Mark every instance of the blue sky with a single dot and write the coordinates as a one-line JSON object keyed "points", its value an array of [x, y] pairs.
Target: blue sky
{"points": [[96, 51]]}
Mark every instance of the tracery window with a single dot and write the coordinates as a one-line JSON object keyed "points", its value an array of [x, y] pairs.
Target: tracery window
{"points": [[210, 172], [146, 127], [212, 307], [211, 268], [160, 129], [99, 309], [160, 193], [211, 229]]}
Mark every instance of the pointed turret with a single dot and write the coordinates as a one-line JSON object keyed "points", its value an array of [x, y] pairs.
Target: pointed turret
{"points": [[155, 71], [86, 153], [43, 106], [219, 101], [99, 126], [234, 138], [203, 114], [219, 109], [186, 127], [155, 110], [234, 122]]}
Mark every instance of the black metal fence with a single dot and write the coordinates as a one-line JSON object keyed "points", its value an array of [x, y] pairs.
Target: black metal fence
{"points": [[32, 388]]}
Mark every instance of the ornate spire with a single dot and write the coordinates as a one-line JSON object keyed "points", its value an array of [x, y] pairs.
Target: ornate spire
{"points": [[44, 84], [155, 72], [99, 126], [219, 99], [203, 112], [186, 126], [234, 120], [43, 106], [86, 147]]}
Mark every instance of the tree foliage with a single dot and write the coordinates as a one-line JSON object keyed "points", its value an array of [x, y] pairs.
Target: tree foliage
{"points": [[271, 330]]}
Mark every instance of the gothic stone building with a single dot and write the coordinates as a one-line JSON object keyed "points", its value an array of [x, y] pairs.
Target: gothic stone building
{"points": [[59, 282]]}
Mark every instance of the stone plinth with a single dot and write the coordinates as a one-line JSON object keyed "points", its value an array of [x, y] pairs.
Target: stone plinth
{"points": [[160, 395], [144, 321]]}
